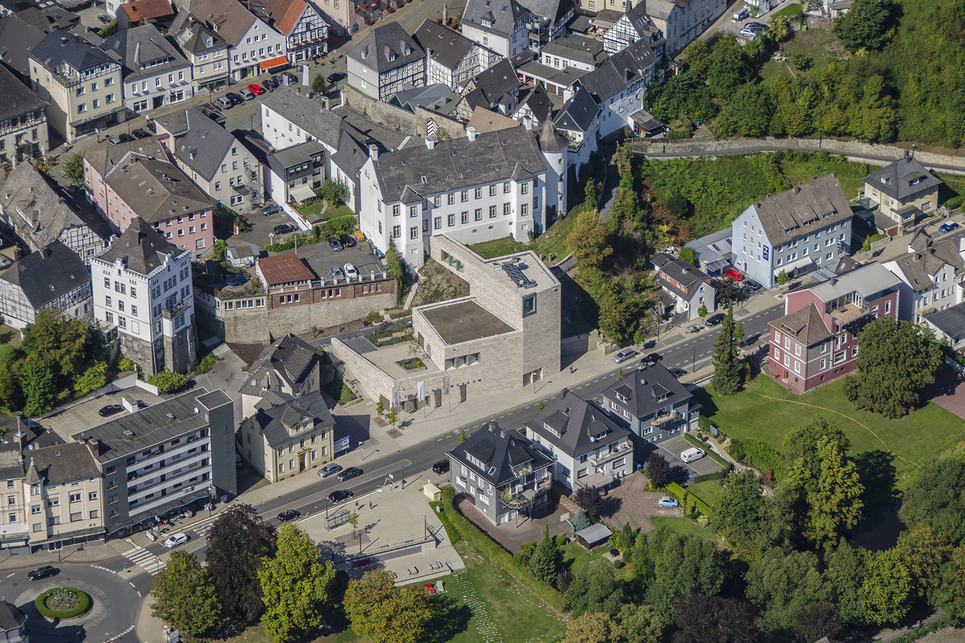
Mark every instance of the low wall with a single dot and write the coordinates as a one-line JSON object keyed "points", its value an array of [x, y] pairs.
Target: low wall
{"points": [[405, 121]]}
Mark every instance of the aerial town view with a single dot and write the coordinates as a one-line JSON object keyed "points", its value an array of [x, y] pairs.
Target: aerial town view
{"points": [[482, 321]]}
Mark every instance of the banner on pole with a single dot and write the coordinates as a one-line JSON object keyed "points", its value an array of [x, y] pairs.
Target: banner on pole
{"points": [[445, 385], [421, 391], [395, 397]]}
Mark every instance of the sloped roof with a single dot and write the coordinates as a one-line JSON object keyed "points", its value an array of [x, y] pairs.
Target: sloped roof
{"points": [[895, 179], [204, 145], [63, 463], [500, 15], [140, 46], [576, 426], [457, 163], [552, 10], [147, 10], [142, 247], [15, 97], [11, 618], [643, 388], [485, 120], [352, 151], [950, 321], [918, 268], [105, 157], [680, 271], [289, 358], [48, 273], [866, 280], [229, 18], [578, 113], [577, 47], [806, 325], [385, 48], [798, 211], [305, 113], [445, 46], [550, 140], [59, 47], [497, 81], [537, 100], [155, 189], [17, 39], [284, 268], [284, 14], [276, 421], [499, 450], [193, 36]]}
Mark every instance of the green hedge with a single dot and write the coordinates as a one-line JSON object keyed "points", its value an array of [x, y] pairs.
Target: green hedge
{"points": [[676, 491], [82, 607], [489, 547], [719, 475], [710, 452], [954, 202], [761, 454], [452, 532]]}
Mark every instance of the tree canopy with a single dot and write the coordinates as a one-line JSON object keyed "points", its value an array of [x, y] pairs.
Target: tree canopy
{"points": [[782, 585], [184, 596], [728, 376], [588, 240], [237, 542], [869, 24], [383, 613], [936, 497]]}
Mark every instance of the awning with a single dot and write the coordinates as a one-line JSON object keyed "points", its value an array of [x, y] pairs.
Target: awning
{"points": [[302, 192], [599, 480], [793, 265], [281, 61]]}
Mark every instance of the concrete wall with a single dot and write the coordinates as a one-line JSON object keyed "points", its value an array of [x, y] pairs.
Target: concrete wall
{"points": [[391, 116]]}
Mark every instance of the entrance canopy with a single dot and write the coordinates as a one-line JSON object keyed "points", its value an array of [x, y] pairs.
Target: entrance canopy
{"points": [[274, 63], [302, 192]]}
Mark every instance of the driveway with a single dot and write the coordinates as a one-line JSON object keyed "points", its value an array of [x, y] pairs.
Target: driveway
{"points": [[509, 535], [632, 503], [672, 449]]}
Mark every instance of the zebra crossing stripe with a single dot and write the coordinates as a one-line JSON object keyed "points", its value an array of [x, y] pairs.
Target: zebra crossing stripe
{"points": [[145, 560]]}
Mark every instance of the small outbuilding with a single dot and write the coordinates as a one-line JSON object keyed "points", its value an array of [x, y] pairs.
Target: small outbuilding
{"points": [[593, 536]]}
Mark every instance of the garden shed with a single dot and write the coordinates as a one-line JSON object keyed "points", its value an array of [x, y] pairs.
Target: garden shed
{"points": [[593, 536]]}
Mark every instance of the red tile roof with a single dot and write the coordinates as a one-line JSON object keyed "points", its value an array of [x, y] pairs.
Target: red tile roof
{"points": [[147, 10], [284, 268]]}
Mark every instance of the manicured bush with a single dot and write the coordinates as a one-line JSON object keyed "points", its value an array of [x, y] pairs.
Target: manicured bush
{"points": [[719, 475], [764, 456], [41, 603], [736, 450], [167, 382], [498, 554], [954, 202]]}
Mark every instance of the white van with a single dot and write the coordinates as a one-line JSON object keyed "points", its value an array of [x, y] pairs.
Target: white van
{"points": [[692, 454]]}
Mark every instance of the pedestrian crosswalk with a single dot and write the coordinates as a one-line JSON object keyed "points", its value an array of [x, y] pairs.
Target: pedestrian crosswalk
{"points": [[202, 527], [145, 560]]}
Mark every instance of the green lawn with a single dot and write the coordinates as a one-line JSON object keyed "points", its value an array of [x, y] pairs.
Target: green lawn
{"points": [[576, 557], [683, 526], [550, 246], [767, 411], [789, 10], [498, 247], [706, 491]]}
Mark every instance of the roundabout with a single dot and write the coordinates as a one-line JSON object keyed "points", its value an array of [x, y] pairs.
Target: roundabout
{"points": [[62, 603]]}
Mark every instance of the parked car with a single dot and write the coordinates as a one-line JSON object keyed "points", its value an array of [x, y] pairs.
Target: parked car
{"points": [[175, 540], [334, 78], [114, 140], [337, 272], [691, 454], [256, 89], [279, 80], [271, 209], [335, 243], [126, 138], [224, 102], [348, 474], [235, 98], [246, 93], [109, 410], [139, 133], [948, 226], [284, 228], [651, 359], [339, 495], [667, 501], [749, 34], [106, 19], [743, 15], [348, 241], [755, 26], [713, 320], [292, 78], [678, 372], [752, 285], [329, 469], [41, 572], [441, 467], [350, 271], [624, 355], [288, 514], [734, 274], [267, 85]]}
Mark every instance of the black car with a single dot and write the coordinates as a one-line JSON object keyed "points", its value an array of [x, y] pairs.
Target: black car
{"points": [[139, 133], [267, 85], [751, 285], [678, 372], [348, 241], [651, 359], [349, 473], [284, 228], [713, 320], [292, 78], [334, 78], [110, 409], [335, 243], [441, 467], [126, 138], [288, 514], [339, 495], [41, 572], [271, 209], [234, 98]]}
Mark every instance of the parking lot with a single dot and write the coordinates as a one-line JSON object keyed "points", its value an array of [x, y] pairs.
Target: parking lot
{"points": [[671, 451], [321, 258]]}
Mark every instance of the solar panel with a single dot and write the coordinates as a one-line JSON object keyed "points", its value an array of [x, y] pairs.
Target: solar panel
{"points": [[517, 275]]}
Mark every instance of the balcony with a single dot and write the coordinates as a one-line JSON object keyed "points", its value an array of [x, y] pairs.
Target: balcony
{"points": [[518, 496], [663, 418]]}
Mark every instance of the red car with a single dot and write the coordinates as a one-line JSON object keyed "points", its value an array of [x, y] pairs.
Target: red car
{"points": [[257, 90], [430, 588], [734, 274]]}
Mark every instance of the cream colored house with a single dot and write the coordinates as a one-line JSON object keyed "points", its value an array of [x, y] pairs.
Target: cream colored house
{"points": [[81, 83], [901, 188], [287, 435], [205, 50]]}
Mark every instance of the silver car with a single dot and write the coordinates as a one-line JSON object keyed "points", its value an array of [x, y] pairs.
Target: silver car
{"points": [[624, 355], [329, 469]]}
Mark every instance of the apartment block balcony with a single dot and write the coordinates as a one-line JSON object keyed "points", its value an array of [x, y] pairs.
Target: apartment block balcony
{"points": [[664, 418]]}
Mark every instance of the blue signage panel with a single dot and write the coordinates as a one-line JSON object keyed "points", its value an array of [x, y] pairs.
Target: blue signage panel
{"points": [[342, 444], [767, 251]]}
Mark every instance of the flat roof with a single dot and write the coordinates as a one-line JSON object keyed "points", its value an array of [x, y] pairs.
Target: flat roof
{"points": [[67, 422], [464, 321], [540, 277]]}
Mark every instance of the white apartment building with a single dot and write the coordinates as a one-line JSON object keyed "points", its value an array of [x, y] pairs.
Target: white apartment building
{"points": [[142, 288], [154, 73], [289, 118], [502, 27], [254, 47], [205, 50]]}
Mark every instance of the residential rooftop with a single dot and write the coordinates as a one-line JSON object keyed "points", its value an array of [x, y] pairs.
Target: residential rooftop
{"points": [[464, 321]]}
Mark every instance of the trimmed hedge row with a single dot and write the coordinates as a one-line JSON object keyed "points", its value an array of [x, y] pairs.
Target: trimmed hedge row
{"points": [[40, 604], [707, 477], [678, 492], [475, 536], [761, 454], [452, 532], [710, 452]]}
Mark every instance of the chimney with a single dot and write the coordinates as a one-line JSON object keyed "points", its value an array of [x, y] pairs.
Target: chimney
{"points": [[20, 436], [374, 152], [471, 133], [528, 122], [931, 251], [430, 142], [327, 105], [94, 446]]}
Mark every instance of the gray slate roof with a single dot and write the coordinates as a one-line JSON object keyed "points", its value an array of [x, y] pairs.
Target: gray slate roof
{"points": [[950, 321], [63, 463], [277, 422], [290, 358], [552, 10], [498, 80], [458, 163], [306, 114], [155, 190], [59, 47], [11, 462], [142, 246], [805, 324], [895, 179], [550, 140], [578, 48], [444, 45], [796, 212], [229, 18], [577, 421], [499, 450], [578, 113], [680, 271], [642, 388], [11, 618], [17, 39], [385, 48], [537, 100], [430, 97], [142, 45], [15, 97], [47, 274], [205, 144], [918, 268], [193, 36], [502, 15]]}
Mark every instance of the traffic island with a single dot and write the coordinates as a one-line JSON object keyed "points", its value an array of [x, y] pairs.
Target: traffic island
{"points": [[62, 603]]}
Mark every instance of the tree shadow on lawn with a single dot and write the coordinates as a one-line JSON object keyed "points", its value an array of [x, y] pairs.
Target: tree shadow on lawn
{"points": [[449, 618], [707, 407], [610, 506], [879, 476]]}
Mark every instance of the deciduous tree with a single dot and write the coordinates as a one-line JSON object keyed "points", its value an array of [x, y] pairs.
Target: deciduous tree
{"points": [[936, 498], [728, 374], [74, 168], [641, 623], [184, 596], [833, 498], [844, 575], [37, 380], [595, 589], [382, 613], [737, 514], [588, 240], [63, 341], [895, 364], [95, 377], [588, 498], [658, 470], [686, 565], [237, 542], [594, 627], [924, 551], [951, 597], [294, 584], [712, 618], [869, 24], [782, 585], [886, 588]]}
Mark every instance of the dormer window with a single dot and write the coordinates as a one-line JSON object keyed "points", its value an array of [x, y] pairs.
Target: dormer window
{"points": [[621, 398], [551, 429]]}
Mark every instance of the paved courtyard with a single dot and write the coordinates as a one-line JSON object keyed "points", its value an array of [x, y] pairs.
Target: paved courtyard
{"points": [[632, 503], [510, 535], [948, 391], [671, 450]]}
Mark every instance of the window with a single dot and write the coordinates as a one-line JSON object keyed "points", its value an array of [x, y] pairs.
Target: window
{"points": [[524, 210], [107, 301], [478, 193], [507, 208], [492, 190], [75, 497], [437, 201], [396, 231], [395, 210], [465, 217], [529, 305], [464, 197], [413, 211], [524, 188], [478, 214], [414, 233], [92, 495], [451, 199], [492, 212], [35, 509], [437, 223], [506, 187], [452, 219]]}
